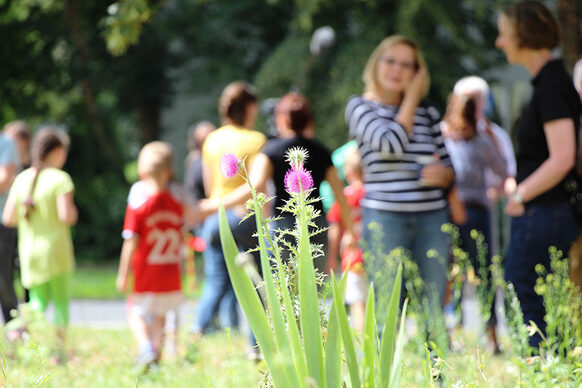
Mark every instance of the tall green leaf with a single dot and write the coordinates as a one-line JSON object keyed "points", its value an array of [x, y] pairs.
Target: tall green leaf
{"points": [[389, 332], [308, 302], [370, 341], [251, 304], [274, 304], [296, 347], [333, 344], [395, 372], [342, 318]]}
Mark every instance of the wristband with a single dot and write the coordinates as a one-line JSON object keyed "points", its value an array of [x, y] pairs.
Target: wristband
{"points": [[517, 198]]}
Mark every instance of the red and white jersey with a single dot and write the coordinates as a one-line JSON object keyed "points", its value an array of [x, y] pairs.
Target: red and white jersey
{"points": [[157, 219]]}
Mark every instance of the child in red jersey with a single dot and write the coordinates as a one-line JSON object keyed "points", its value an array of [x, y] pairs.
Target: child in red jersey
{"points": [[351, 256], [153, 236]]}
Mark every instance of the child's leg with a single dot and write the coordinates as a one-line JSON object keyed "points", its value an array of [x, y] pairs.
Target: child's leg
{"points": [[39, 297], [171, 331], [358, 313], [156, 329], [59, 288], [60, 291], [139, 329]]}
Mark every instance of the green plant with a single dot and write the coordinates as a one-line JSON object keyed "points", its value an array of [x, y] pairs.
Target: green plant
{"points": [[307, 353]]}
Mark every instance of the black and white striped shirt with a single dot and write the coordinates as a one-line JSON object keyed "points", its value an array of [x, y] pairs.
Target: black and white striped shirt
{"points": [[392, 160]]}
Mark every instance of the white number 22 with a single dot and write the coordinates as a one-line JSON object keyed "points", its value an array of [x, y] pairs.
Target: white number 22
{"points": [[166, 247]]}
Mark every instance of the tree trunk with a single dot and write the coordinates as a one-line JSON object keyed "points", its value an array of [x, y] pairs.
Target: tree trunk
{"points": [[149, 119], [72, 16]]}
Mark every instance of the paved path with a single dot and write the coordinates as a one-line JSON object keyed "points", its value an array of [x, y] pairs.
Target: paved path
{"points": [[111, 314]]}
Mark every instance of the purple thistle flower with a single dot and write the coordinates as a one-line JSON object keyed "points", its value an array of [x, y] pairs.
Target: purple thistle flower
{"points": [[229, 165], [298, 180]]}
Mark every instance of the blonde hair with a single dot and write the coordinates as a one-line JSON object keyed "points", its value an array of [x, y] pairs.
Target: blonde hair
{"points": [[155, 158], [370, 75], [353, 163]]}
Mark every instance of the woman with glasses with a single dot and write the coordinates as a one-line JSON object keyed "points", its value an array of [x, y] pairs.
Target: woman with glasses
{"points": [[406, 166]]}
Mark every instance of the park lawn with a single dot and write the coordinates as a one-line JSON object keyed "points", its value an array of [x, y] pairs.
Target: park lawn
{"points": [[104, 358], [92, 280]]}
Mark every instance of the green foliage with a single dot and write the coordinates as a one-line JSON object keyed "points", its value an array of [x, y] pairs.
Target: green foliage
{"points": [[104, 358], [124, 24], [300, 355]]}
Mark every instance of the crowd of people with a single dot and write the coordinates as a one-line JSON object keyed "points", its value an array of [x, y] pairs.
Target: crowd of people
{"points": [[407, 171]]}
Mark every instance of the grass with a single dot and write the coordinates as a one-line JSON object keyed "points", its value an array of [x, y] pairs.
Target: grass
{"points": [[104, 358], [92, 280]]}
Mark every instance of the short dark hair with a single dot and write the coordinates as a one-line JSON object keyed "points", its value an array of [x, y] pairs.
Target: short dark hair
{"points": [[234, 100], [534, 24]]}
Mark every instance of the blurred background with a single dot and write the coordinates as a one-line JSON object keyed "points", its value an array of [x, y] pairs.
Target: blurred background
{"points": [[118, 74]]}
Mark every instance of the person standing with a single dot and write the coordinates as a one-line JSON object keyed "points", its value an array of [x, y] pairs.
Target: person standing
{"points": [[576, 250], [9, 162], [40, 203], [238, 110], [473, 154], [546, 138], [477, 89], [193, 181], [152, 232], [19, 132], [405, 162]]}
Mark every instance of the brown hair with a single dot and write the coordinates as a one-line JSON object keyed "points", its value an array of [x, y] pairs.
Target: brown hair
{"points": [[233, 102], [534, 25], [370, 75], [18, 129], [461, 117], [296, 108], [46, 140]]}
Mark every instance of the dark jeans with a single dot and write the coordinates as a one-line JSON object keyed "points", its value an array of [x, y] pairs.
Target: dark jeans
{"points": [[287, 221], [531, 235], [218, 294], [7, 256], [478, 219]]}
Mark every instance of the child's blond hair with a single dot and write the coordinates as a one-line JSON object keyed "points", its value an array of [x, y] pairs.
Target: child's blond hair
{"points": [[353, 164], [154, 159]]}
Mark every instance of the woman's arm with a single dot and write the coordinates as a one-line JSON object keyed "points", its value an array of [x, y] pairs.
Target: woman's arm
{"points": [[492, 155], [561, 146], [378, 133], [261, 170], [10, 215], [412, 97], [437, 174], [66, 209], [206, 178]]}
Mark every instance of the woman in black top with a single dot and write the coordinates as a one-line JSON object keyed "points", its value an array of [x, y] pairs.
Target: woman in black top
{"points": [[546, 144], [294, 122]]}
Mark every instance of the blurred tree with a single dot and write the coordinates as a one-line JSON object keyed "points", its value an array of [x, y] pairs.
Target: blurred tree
{"points": [[106, 69], [81, 64]]}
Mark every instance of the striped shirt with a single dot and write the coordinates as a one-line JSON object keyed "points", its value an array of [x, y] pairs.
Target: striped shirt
{"points": [[392, 160]]}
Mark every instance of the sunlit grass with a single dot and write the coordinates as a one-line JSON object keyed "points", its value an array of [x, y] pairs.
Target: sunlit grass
{"points": [[104, 358]]}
